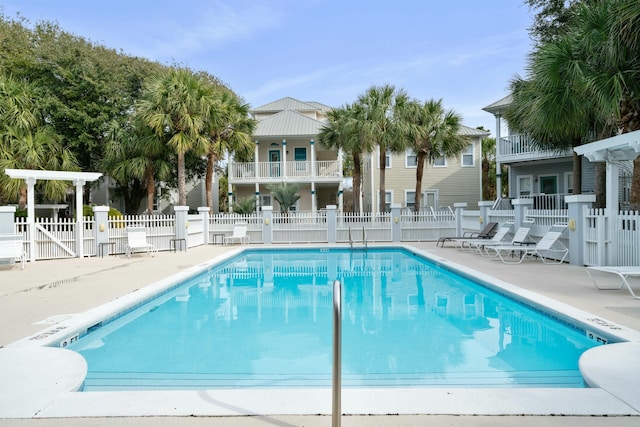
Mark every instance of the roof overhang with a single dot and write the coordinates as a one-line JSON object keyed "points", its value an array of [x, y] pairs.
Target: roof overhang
{"points": [[621, 147], [52, 175]]}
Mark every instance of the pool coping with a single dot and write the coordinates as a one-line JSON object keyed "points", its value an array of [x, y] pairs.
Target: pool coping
{"points": [[612, 397]]}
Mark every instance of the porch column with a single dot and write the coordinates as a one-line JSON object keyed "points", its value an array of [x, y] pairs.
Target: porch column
{"points": [[459, 209], [341, 198], [577, 205], [79, 183], [314, 203], [256, 173], [313, 158], [498, 165], [284, 159]]}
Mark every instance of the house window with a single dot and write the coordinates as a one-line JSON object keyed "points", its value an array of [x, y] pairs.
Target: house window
{"points": [[410, 199], [467, 156], [388, 197], [568, 182], [440, 162], [300, 154], [524, 185], [410, 159], [387, 159]]}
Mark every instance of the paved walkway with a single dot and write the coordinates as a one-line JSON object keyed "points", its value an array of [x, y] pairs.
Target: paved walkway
{"points": [[47, 291]]}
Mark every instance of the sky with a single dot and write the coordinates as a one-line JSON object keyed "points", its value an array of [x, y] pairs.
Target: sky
{"points": [[464, 52]]}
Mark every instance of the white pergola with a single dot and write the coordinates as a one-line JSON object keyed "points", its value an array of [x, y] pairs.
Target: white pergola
{"points": [[31, 176], [612, 150]]}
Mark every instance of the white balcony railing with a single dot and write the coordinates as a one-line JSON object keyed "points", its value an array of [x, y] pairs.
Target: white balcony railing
{"points": [[522, 147], [321, 170]]}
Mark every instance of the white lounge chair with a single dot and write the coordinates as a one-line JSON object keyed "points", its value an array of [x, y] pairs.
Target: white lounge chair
{"points": [[239, 235], [548, 248], [137, 241], [11, 249], [521, 237], [501, 236], [624, 273]]}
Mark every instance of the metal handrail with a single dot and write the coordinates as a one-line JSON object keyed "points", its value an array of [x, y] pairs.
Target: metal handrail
{"points": [[337, 354]]}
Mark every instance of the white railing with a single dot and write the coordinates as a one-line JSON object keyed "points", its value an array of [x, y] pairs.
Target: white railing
{"points": [[426, 225], [276, 170], [522, 147], [300, 227]]}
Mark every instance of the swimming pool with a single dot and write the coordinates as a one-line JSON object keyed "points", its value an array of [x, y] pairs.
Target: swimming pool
{"points": [[263, 319]]}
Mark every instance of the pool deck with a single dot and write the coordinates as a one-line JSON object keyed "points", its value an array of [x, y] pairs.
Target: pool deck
{"points": [[48, 292]]}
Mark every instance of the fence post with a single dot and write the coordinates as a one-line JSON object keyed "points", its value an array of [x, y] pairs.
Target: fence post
{"points": [[267, 223], [204, 213], [396, 228], [459, 209], [181, 225], [575, 224], [520, 210], [331, 224], [101, 227], [7, 219], [484, 206]]}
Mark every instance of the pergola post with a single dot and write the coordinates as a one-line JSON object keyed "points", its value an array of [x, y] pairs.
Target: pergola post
{"points": [[31, 216], [79, 183]]}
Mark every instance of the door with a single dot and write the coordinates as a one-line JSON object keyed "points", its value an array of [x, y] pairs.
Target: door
{"points": [[274, 159], [548, 184]]}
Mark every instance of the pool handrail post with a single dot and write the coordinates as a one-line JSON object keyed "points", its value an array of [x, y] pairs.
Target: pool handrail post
{"points": [[337, 354]]}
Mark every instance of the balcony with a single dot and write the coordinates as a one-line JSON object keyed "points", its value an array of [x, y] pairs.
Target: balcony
{"points": [[329, 171], [520, 148]]}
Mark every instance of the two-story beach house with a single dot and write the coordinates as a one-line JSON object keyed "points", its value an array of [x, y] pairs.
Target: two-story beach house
{"points": [[546, 176], [286, 151], [444, 182]]}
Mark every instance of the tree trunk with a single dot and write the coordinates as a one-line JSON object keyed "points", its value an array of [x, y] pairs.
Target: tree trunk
{"points": [[599, 186], [357, 173], [182, 192], [151, 190], [22, 197], [420, 158], [208, 183], [383, 165], [577, 173]]}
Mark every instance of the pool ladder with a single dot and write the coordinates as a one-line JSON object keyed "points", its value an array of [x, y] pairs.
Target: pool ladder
{"points": [[336, 389], [364, 238]]}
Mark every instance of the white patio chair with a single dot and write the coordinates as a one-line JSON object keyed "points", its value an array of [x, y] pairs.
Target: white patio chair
{"points": [[501, 236], [624, 273], [11, 249], [548, 248], [137, 241], [239, 235]]}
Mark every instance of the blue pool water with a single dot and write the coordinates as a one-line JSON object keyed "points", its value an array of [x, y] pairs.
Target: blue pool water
{"points": [[264, 319]]}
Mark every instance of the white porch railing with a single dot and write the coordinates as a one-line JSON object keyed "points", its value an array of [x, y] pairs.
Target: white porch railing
{"points": [[247, 171], [521, 147]]}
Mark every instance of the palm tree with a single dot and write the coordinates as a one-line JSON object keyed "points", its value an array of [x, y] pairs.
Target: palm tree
{"points": [[245, 206], [343, 131], [286, 195], [229, 130], [436, 134], [27, 143], [135, 154], [382, 125], [175, 106]]}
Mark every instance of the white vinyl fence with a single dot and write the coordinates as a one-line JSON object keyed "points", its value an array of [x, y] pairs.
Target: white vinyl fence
{"points": [[606, 240]]}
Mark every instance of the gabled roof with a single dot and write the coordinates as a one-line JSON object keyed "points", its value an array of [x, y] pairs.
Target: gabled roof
{"points": [[284, 104], [287, 123], [319, 106], [499, 106], [467, 131]]}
